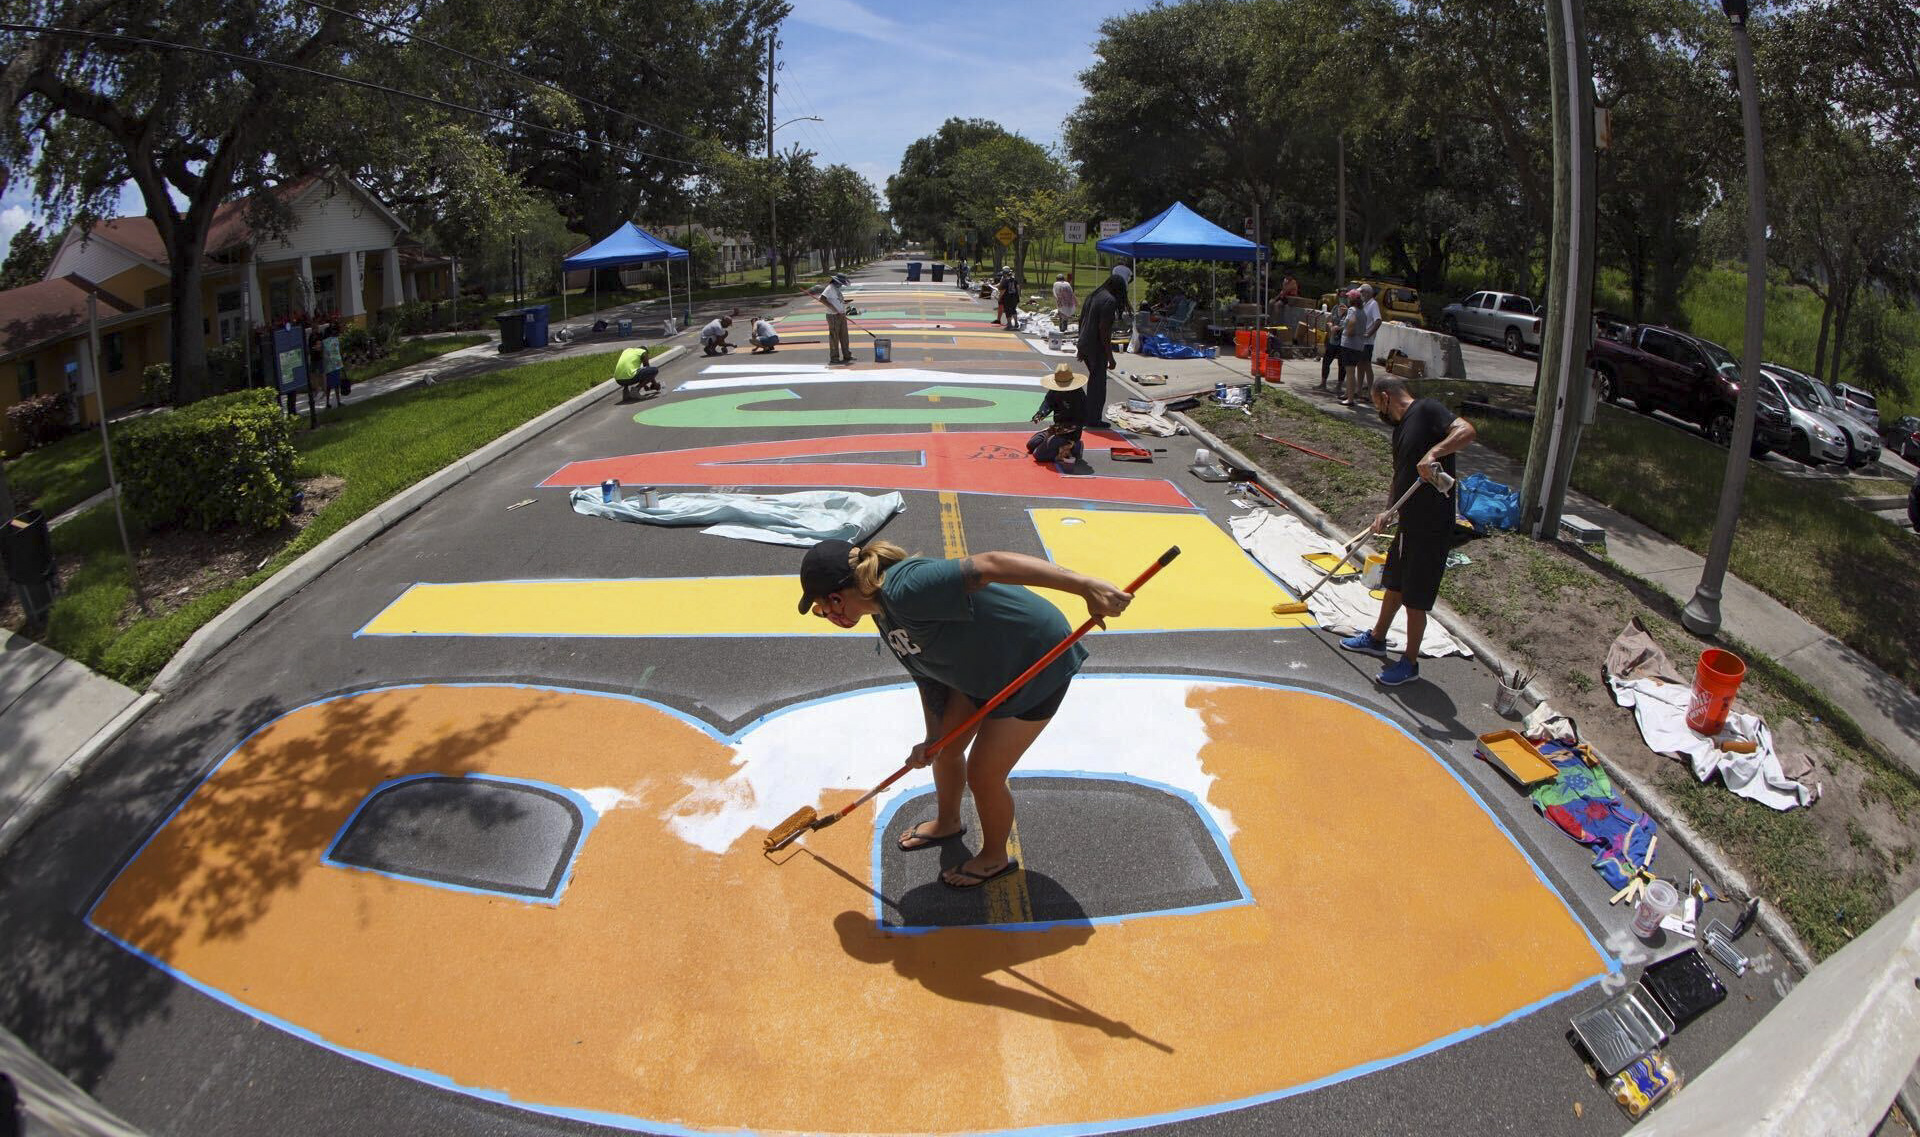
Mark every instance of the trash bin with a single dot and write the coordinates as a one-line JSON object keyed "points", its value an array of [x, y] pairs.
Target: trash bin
{"points": [[513, 330], [939, 272], [913, 270], [26, 549], [536, 330]]}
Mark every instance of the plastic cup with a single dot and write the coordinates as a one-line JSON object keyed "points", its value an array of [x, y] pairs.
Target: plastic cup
{"points": [[1659, 901]]}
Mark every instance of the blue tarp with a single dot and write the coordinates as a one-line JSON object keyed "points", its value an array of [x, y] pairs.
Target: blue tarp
{"points": [[627, 245], [1179, 234]]}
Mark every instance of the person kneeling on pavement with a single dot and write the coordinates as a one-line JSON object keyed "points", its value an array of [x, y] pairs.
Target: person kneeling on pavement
{"points": [[1426, 436], [764, 338], [633, 369], [713, 337], [1066, 400]]}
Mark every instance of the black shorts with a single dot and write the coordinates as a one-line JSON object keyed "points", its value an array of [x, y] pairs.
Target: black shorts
{"points": [[1414, 566], [1353, 356], [934, 697]]}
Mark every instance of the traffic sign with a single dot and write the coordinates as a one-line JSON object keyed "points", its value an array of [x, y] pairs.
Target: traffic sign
{"points": [[1076, 232], [1005, 236], [1109, 229]]}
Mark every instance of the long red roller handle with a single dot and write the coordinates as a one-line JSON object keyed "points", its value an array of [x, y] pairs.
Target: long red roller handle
{"points": [[1006, 692]]}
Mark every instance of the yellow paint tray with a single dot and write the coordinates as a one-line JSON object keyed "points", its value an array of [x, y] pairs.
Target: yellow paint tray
{"points": [[1510, 751], [1326, 563]]}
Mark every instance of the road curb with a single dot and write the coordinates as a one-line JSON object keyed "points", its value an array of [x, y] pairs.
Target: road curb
{"points": [[254, 606], [1650, 798], [41, 797]]}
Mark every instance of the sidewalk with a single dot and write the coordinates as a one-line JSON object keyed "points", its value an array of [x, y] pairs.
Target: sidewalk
{"points": [[1885, 709]]}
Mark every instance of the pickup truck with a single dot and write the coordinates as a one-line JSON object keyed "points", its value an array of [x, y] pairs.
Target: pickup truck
{"points": [[1505, 318], [1657, 368]]}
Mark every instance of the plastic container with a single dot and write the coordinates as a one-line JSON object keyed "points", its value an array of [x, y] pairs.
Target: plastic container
{"points": [[1659, 901], [913, 270], [1272, 368], [1243, 342], [1376, 565], [513, 330], [1506, 702], [1715, 682]]}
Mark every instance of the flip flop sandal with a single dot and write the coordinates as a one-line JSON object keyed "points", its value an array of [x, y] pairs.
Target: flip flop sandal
{"points": [[975, 880], [925, 842]]}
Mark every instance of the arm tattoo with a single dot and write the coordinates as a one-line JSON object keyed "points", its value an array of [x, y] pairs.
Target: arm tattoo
{"points": [[970, 575]]}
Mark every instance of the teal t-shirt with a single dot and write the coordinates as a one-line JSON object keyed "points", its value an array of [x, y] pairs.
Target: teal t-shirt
{"points": [[975, 642]]}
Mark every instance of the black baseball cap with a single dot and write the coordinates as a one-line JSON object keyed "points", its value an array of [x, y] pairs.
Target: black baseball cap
{"points": [[827, 568]]}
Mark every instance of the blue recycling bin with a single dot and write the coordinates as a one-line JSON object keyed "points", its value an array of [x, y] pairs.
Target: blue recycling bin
{"points": [[939, 272], [536, 331], [913, 270]]}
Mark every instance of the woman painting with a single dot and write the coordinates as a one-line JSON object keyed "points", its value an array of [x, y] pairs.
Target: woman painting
{"points": [[963, 628]]}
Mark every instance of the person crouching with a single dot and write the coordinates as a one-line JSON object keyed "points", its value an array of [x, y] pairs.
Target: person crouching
{"points": [[713, 337], [1066, 400]]}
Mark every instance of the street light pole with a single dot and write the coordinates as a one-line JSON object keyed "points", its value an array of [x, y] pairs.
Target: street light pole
{"points": [[1702, 613]]}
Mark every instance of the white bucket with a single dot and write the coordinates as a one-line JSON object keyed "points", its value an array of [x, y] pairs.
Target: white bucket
{"points": [[1659, 901]]}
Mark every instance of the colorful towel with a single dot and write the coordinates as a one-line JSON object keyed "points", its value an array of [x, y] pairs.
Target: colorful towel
{"points": [[1581, 801]]}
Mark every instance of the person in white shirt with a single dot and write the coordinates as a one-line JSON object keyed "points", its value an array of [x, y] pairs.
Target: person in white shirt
{"points": [[713, 337], [764, 338], [1369, 324], [1064, 303], [838, 349]]}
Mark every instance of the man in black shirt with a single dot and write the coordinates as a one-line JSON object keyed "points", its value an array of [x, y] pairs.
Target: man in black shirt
{"points": [[1097, 318], [1426, 436]]}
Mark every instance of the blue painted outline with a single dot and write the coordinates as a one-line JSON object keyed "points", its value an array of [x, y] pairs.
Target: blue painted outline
{"points": [[885, 818], [589, 817], [1126, 508], [634, 1124]]}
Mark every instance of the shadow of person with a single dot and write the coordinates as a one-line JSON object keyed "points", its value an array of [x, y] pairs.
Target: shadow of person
{"points": [[1429, 703], [959, 963]]}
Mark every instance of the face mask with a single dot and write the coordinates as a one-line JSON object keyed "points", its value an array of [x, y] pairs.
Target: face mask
{"points": [[1384, 417]]}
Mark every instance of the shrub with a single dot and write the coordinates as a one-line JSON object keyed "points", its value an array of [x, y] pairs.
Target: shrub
{"points": [[156, 384], [357, 346], [41, 419], [221, 460], [227, 366]]}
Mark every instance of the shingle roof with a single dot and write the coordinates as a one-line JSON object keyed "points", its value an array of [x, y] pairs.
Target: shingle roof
{"points": [[35, 313]]}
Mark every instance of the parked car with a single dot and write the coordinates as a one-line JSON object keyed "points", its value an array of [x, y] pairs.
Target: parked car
{"points": [[1861, 403], [1506, 318], [1863, 441], [1814, 438], [1903, 437], [1399, 301], [1657, 368]]}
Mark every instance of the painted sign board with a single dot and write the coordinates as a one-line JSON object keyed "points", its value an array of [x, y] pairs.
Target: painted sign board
{"points": [[290, 359], [1109, 229]]}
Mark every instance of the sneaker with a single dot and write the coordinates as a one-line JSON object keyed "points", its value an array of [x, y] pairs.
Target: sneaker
{"points": [[1366, 643], [1398, 672]]}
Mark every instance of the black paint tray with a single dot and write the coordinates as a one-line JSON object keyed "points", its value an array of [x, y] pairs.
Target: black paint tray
{"points": [[1684, 985]]}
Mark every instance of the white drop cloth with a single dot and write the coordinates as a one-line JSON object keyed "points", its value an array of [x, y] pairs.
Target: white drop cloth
{"points": [[805, 518], [1343, 607], [1660, 709]]}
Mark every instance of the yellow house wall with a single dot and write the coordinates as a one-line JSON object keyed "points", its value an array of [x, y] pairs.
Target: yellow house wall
{"points": [[145, 343], [131, 286]]}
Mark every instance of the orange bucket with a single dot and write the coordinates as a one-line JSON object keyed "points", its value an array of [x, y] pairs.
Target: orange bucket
{"points": [[1271, 367], [1243, 342], [1715, 682]]}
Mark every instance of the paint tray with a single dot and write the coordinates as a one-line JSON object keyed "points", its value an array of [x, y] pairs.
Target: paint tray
{"points": [[1511, 753], [1329, 562], [1684, 985], [1130, 454], [1622, 1029]]}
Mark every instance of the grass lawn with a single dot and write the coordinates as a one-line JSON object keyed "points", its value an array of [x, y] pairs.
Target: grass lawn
{"points": [[413, 351], [379, 448], [1846, 570], [60, 475], [1832, 869]]}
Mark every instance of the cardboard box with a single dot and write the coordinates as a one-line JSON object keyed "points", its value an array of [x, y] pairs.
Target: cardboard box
{"points": [[1407, 368]]}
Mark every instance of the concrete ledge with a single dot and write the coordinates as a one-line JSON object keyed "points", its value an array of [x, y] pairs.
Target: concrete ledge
{"points": [[250, 609], [1651, 799], [1438, 350], [1829, 1059], [54, 1105]]}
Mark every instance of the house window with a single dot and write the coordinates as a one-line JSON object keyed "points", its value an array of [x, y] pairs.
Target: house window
{"points": [[324, 299], [29, 379], [115, 345], [280, 297]]}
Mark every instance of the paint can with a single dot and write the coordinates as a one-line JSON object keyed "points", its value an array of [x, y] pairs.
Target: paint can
{"points": [[610, 490], [882, 350], [649, 496], [1656, 903], [1373, 570]]}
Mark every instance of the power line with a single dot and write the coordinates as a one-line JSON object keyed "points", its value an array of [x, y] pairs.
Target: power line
{"points": [[142, 41], [501, 67]]}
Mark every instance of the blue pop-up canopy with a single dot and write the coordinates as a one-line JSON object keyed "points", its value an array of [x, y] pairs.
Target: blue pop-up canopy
{"points": [[1179, 234], [628, 245]]}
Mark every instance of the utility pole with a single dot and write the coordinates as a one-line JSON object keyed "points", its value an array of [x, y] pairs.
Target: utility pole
{"points": [[773, 184], [1702, 614], [1564, 388]]}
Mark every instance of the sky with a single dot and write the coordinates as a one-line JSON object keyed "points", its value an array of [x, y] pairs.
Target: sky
{"points": [[882, 74]]}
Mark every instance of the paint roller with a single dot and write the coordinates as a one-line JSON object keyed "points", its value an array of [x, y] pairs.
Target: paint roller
{"points": [[807, 819], [1442, 481]]}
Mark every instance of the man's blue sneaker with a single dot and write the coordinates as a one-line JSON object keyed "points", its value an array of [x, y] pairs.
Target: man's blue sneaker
{"points": [[1398, 672], [1366, 643]]}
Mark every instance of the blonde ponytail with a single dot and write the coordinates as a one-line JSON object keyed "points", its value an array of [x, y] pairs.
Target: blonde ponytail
{"points": [[873, 559]]}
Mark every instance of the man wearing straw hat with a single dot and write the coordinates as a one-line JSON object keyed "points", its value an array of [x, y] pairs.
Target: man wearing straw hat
{"points": [[1066, 401]]}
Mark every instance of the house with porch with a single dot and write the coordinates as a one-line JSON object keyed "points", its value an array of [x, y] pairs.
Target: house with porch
{"points": [[343, 252]]}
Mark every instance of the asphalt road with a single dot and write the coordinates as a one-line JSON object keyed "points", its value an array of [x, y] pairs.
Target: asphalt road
{"points": [[1311, 924]]}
